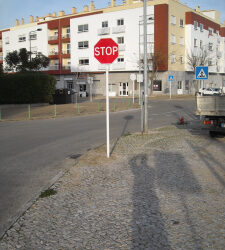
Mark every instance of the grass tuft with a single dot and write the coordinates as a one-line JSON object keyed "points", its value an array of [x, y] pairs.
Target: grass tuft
{"points": [[47, 193]]}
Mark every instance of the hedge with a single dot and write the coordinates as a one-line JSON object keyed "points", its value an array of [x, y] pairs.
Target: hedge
{"points": [[28, 87]]}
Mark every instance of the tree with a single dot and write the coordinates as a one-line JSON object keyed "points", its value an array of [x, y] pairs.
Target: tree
{"points": [[19, 61], [198, 57], [155, 60]]}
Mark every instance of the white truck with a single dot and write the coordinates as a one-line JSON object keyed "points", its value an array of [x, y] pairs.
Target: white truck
{"points": [[212, 112]]}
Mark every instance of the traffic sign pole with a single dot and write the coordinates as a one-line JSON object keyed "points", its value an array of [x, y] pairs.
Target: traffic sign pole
{"points": [[106, 51], [107, 110], [170, 90]]}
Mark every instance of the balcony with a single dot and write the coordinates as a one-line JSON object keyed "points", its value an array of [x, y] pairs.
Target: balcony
{"points": [[66, 52], [53, 52], [51, 38], [118, 66], [118, 29], [66, 67], [122, 47], [104, 31], [102, 66], [67, 35], [53, 67]]}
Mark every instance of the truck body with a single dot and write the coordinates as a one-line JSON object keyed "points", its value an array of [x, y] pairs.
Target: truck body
{"points": [[212, 111]]}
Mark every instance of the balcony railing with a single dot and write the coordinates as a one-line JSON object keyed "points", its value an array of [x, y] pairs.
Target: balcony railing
{"points": [[65, 52], [66, 67], [53, 52], [118, 29], [66, 35], [118, 66], [104, 31], [122, 47], [53, 67], [51, 38]]}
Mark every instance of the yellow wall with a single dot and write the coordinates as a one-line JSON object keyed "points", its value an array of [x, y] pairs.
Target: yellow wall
{"points": [[178, 10]]}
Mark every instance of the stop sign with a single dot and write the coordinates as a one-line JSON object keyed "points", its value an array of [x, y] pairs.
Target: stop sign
{"points": [[106, 50]]}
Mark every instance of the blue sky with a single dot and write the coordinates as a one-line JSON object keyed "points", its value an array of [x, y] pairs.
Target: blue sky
{"points": [[13, 9]]}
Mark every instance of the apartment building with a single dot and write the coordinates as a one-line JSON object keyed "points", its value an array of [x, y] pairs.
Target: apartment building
{"points": [[173, 29]]}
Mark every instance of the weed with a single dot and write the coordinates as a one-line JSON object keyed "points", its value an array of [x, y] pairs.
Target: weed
{"points": [[47, 193]]}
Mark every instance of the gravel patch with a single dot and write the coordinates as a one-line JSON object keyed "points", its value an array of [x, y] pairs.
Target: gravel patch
{"points": [[164, 190]]}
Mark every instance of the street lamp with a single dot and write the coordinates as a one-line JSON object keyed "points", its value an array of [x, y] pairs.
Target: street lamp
{"points": [[39, 29]]}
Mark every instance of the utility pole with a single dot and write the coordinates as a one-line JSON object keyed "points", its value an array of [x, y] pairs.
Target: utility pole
{"points": [[145, 69]]}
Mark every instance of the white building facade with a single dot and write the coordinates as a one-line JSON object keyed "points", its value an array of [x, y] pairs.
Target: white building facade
{"points": [[173, 29]]}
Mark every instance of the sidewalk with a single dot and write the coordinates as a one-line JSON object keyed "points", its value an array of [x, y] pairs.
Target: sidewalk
{"points": [[164, 190]]}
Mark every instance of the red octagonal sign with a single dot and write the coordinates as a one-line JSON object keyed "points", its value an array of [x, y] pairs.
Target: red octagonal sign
{"points": [[106, 50]]}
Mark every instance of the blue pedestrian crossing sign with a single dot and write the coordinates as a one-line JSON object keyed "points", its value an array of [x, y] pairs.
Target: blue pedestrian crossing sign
{"points": [[171, 78], [201, 73]]}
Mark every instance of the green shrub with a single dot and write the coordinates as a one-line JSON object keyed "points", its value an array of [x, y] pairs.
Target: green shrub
{"points": [[28, 87]]}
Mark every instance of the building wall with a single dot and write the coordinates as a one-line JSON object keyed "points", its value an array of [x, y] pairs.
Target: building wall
{"points": [[41, 43]]}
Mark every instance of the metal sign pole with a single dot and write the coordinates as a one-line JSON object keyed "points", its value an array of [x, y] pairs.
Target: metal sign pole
{"points": [[170, 89], [107, 110], [133, 91]]}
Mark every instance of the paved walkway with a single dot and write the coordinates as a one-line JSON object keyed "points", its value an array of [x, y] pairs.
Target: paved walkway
{"points": [[164, 190]]}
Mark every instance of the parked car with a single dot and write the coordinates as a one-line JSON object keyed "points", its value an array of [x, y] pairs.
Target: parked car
{"points": [[210, 91]]}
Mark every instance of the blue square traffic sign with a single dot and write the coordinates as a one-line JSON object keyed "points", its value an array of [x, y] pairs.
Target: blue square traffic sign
{"points": [[170, 78], [202, 73]]}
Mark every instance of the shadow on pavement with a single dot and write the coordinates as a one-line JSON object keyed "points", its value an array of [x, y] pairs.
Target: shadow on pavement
{"points": [[127, 119], [148, 230]]}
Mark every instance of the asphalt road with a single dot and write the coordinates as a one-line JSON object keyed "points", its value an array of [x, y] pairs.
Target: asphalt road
{"points": [[33, 152]]}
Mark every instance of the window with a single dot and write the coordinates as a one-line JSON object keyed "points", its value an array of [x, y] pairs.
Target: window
{"points": [[173, 39], [83, 45], [217, 32], [56, 33], [68, 48], [210, 46], [7, 40], [201, 44], [22, 38], [105, 24], [186, 84], [173, 58], [120, 59], [179, 84], [195, 25], [83, 28], [210, 62], [210, 31], [181, 59], [195, 42], [120, 40], [120, 22], [201, 27], [157, 85], [181, 23], [173, 20], [181, 41], [84, 62]]}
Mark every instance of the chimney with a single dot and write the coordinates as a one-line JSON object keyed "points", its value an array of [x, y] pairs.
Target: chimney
{"points": [[37, 19], [85, 8], [31, 19], [54, 14], [22, 21], [61, 13], [17, 22], [197, 8], [113, 3], [91, 6], [74, 10]]}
